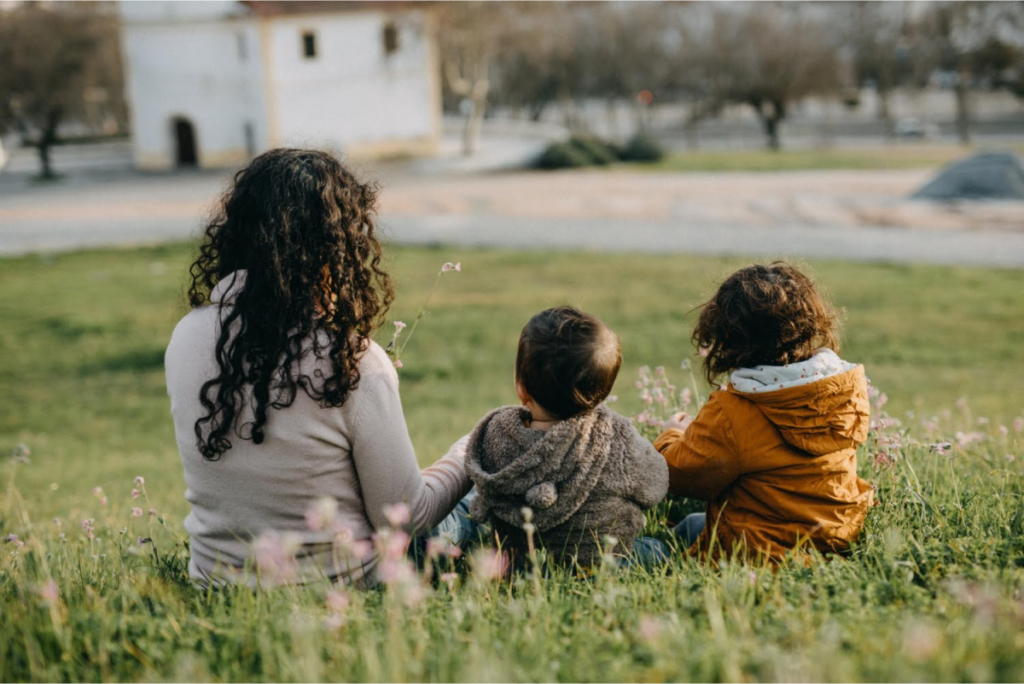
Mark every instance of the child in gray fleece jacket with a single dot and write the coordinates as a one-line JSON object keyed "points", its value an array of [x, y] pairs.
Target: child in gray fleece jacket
{"points": [[584, 471]]}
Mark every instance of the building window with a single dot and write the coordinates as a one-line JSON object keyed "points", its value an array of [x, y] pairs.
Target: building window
{"points": [[243, 45], [308, 44], [389, 37]]}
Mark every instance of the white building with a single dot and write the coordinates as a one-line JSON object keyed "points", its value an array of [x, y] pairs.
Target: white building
{"points": [[212, 83]]}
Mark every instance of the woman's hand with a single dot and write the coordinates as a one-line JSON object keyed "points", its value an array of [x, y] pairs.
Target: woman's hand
{"points": [[679, 421]]}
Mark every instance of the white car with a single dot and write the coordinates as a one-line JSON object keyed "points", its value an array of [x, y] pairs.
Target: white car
{"points": [[915, 128]]}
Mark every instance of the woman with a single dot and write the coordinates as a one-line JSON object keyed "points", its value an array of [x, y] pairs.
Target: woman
{"points": [[279, 396]]}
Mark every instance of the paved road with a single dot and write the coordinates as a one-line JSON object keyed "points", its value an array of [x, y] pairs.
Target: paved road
{"points": [[838, 215]]}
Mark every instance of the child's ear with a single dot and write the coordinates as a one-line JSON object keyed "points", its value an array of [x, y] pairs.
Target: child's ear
{"points": [[524, 396]]}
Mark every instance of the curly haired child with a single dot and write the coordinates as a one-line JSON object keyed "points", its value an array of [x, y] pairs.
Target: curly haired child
{"points": [[774, 452]]}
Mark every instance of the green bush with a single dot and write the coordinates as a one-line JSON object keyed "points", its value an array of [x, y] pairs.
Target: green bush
{"points": [[642, 148], [600, 152], [564, 155]]}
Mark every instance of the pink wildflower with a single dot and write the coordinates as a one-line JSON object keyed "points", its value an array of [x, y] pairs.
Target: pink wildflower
{"points": [[436, 547], [136, 493], [453, 552], [97, 492], [321, 514], [399, 327], [395, 544], [612, 398], [397, 514], [13, 539], [1003, 430], [275, 554], [1018, 424], [649, 628], [334, 622], [490, 565], [685, 398], [140, 481], [449, 578], [983, 421], [395, 571], [49, 592], [942, 448], [398, 363], [337, 601], [103, 501], [87, 527], [449, 266], [137, 512]]}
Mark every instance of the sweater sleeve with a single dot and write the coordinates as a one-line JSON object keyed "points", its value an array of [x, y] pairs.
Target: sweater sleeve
{"points": [[702, 461], [386, 463], [649, 479]]}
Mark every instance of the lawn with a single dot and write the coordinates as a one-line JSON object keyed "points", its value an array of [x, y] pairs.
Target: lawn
{"points": [[897, 156], [934, 592]]}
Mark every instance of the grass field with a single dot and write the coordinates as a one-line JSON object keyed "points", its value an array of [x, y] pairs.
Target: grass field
{"points": [[934, 592], [900, 156]]}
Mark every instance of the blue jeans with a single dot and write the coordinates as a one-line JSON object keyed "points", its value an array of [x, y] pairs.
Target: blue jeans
{"points": [[691, 527], [649, 552], [458, 528]]}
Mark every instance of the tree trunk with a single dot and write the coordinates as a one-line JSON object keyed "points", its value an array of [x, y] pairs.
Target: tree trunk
{"points": [[46, 140], [885, 114], [474, 123], [963, 115]]}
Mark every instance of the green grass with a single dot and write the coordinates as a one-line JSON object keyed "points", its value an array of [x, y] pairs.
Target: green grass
{"points": [[903, 156], [933, 593]]}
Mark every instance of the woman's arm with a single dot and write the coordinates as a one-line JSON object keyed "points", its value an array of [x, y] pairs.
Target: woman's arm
{"points": [[702, 460], [386, 461]]}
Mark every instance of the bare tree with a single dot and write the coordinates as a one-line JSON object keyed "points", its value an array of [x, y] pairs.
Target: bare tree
{"points": [[971, 41], [765, 55], [57, 61], [878, 35]]}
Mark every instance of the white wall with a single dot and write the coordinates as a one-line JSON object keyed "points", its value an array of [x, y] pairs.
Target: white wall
{"points": [[182, 66], [352, 95]]}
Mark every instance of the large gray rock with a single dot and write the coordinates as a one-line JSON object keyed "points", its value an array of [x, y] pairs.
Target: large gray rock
{"points": [[990, 175]]}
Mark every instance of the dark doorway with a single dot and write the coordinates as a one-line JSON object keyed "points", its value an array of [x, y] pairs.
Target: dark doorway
{"points": [[185, 153]]}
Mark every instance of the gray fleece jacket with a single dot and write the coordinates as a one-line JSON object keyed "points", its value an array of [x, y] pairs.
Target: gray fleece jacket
{"points": [[585, 479]]}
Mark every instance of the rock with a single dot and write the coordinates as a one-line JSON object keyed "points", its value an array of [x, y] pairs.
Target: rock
{"points": [[990, 175]]}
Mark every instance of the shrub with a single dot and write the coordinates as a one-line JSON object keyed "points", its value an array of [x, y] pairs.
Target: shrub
{"points": [[563, 155], [642, 148], [599, 151]]}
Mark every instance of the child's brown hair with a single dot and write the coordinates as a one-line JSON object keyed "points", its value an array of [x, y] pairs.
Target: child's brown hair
{"points": [[567, 361], [764, 315]]}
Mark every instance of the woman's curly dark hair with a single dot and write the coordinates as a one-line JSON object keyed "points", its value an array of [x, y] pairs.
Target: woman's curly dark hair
{"points": [[764, 315], [301, 226]]}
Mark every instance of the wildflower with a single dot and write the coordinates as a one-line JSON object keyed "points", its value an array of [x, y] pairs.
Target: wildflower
{"points": [[965, 439], [1018, 424], [13, 539], [449, 266], [395, 544], [397, 514], [135, 493], [921, 642], [395, 571], [753, 577], [321, 514], [398, 363], [103, 501], [1003, 430], [153, 511], [612, 398], [983, 421], [489, 565], [436, 547], [453, 552], [140, 481], [337, 601], [1010, 458], [942, 448], [49, 592], [399, 327], [449, 578], [139, 541], [87, 527], [649, 628], [97, 492], [685, 398], [21, 453], [137, 512], [275, 554]]}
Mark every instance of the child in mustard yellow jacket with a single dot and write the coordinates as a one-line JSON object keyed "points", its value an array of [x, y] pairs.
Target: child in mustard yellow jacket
{"points": [[773, 454]]}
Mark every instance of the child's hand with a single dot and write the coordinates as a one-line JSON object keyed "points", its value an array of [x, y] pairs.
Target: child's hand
{"points": [[679, 421]]}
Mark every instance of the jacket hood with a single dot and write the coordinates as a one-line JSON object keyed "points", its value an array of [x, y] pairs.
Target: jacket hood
{"points": [[819, 406], [552, 472]]}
